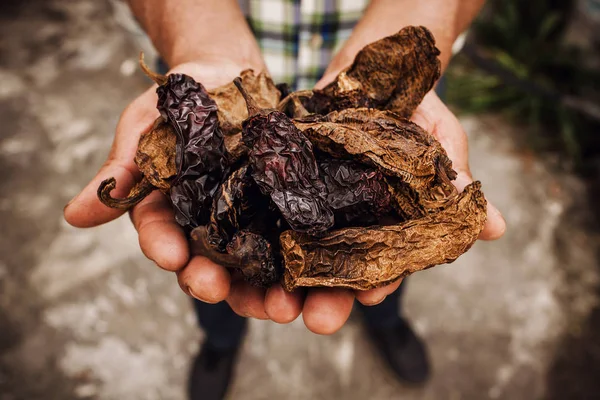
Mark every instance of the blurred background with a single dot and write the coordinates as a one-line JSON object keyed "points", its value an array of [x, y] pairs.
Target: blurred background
{"points": [[83, 314]]}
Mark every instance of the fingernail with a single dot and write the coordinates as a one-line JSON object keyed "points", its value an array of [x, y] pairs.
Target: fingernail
{"points": [[194, 295], [189, 291], [377, 301], [495, 226], [70, 202]]}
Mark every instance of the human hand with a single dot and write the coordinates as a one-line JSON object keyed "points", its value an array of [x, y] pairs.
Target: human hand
{"points": [[162, 240], [437, 119], [433, 116]]}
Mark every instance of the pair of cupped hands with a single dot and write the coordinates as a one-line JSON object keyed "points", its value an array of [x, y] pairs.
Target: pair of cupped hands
{"points": [[324, 310]]}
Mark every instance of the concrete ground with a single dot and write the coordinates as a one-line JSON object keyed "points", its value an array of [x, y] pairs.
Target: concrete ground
{"points": [[83, 315]]}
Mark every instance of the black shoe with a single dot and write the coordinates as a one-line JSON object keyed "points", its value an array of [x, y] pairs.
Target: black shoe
{"points": [[212, 372], [403, 351]]}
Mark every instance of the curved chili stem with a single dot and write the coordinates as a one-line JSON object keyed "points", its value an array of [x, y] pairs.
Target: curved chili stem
{"points": [[299, 109], [137, 194], [201, 247], [158, 78], [253, 108]]}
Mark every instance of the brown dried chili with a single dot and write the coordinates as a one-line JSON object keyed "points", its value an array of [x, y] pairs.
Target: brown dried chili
{"points": [[400, 149], [155, 158], [367, 258], [393, 73]]}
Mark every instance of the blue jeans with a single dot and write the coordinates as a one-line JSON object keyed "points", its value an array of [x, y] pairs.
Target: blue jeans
{"points": [[225, 329]]}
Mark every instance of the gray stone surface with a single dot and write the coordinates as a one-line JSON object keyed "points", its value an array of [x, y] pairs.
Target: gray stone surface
{"points": [[83, 315]]}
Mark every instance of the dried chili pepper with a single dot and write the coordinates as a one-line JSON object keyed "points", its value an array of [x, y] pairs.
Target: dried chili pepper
{"points": [[234, 207], [247, 252], [155, 158], [232, 107], [187, 106], [396, 146], [348, 159], [366, 258], [284, 167], [200, 157], [357, 194], [393, 73], [259, 267]]}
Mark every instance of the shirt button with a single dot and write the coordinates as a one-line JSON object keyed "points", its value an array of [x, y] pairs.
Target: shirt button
{"points": [[316, 41]]}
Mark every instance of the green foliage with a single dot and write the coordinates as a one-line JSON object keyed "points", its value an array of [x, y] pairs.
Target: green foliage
{"points": [[523, 39]]}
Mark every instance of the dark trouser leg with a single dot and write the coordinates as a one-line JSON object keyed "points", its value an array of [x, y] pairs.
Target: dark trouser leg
{"points": [[224, 329], [387, 313], [394, 339]]}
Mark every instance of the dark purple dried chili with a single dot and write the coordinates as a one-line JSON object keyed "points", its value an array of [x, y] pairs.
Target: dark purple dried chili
{"points": [[284, 167], [356, 193], [201, 157], [234, 207], [259, 266], [247, 252]]}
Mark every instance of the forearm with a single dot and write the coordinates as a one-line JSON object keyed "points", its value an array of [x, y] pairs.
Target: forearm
{"points": [[446, 19], [190, 30]]}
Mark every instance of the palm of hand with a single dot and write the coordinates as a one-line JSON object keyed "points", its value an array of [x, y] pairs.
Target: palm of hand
{"points": [[433, 116]]}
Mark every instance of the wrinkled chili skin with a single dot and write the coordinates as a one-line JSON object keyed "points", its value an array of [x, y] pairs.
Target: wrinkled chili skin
{"points": [[191, 202], [235, 205], [358, 194], [284, 167], [201, 158], [259, 266], [393, 73]]}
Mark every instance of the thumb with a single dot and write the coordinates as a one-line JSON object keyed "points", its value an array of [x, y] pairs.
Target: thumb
{"points": [[495, 225], [86, 210], [434, 117]]}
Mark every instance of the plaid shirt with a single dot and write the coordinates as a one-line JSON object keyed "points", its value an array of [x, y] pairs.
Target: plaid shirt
{"points": [[298, 38]]}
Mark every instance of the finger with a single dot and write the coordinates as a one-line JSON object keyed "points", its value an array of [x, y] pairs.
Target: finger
{"points": [[326, 79], [495, 225], [281, 306], [161, 238], [449, 132], [247, 300], [204, 280], [326, 310], [435, 118], [375, 296], [85, 210]]}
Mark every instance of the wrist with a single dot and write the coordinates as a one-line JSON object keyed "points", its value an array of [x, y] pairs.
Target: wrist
{"points": [[212, 71], [207, 31]]}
